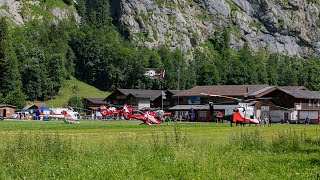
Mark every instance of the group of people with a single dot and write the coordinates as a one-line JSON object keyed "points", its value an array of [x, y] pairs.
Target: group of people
{"points": [[266, 121], [180, 118], [307, 120]]}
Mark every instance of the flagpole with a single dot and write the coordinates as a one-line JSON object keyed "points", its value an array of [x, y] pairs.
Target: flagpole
{"points": [[162, 100]]}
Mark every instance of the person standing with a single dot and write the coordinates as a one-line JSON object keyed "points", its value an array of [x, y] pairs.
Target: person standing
{"points": [[266, 120], [307, 120], [187, 118], [269, 124], [259, 120]]}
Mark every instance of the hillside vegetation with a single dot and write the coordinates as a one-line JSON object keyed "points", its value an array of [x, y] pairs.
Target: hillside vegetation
{"points": [[74, 87]]}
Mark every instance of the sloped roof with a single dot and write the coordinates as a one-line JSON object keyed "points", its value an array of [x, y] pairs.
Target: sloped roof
{"points": [[290, 88], [263, 90], [302, 94], [6, 105], [269, 89], [174, 92], [96, 100], [226, 90], [28, 106], [141, 93]]}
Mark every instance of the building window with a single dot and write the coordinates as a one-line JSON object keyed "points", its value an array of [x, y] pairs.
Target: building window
{"points": [[309, 102], [202, 114]]}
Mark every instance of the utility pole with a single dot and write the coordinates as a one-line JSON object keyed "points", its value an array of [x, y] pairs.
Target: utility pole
{"points": [[178, 86], [51, 95], [163, 96]]}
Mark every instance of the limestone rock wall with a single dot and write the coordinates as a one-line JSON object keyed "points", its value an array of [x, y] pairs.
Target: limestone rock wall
{"points": [[290, 27]]}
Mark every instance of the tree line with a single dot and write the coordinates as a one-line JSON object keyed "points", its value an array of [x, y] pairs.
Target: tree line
{"points": [[37, 58]]}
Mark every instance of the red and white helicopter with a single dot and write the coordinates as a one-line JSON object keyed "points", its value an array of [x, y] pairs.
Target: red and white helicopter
{"points": [[244, 113], [67, 114], [110, 111], [148, 117], [154, 74]]}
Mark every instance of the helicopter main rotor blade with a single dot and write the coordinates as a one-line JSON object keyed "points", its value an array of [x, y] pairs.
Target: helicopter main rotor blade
{"points": [[215, 95]]}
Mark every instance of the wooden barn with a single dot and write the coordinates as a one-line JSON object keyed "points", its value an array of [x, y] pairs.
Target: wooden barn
{"points": [[7, 111]]}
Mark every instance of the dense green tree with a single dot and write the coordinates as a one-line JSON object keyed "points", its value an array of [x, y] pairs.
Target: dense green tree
{"points": [[260, 60], [310, 74], [208, 75], [172, 71], [17, 98], [287, 73], [34, 74], [100, 13], [70, 59], [250, 66], [57, 71], [220, 43], [76, 102], [9, 72], [272, 66], [81, 8], [10, 79], [238, 73], [180, 63], [191, 75]]}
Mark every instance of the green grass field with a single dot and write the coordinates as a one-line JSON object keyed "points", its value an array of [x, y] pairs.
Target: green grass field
{"points": [[127, 150]]}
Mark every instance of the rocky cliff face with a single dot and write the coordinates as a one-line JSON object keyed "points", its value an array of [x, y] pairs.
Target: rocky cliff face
{"points": [[21, 11], [290, 27]]}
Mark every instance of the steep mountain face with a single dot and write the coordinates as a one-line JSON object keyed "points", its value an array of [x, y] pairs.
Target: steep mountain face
{"points": [[20, 12], [290, 27]]}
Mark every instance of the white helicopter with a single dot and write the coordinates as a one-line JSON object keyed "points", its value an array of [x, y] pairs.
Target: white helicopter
{"points": [[153, 74], [68, 115], [244, 113]]}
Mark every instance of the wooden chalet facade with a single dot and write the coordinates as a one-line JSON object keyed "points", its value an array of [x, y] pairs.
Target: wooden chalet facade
{"points": [[93, 103], [142, 98], [281, 104], [289, 103], [197, 99]]}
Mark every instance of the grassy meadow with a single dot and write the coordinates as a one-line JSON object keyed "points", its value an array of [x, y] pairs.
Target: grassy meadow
{"points": [[127, 150], [74, 87]]}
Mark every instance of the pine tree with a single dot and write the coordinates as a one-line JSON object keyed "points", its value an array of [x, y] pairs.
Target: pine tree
{"points": [[10, 80]]}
